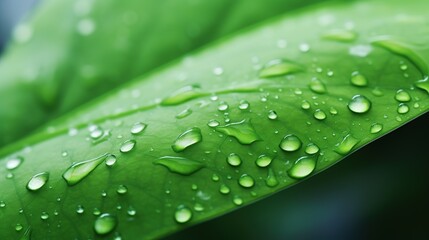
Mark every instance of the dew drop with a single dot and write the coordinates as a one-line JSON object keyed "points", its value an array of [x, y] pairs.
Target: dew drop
{"points": [[358, 80], [304, 47], [95, 132], [271, 180], [272, 115], [186, 139], [183, 214], [340, 35], [333, 111], [234, 160], [224, 189], [243, 105], [317, 86], [279, 67], [359, 104], [215, 177], [96, 212], [305, 105], [217, 71], [423, 84], [127, 146], [246, 181], [110, 160], [179, 165], [80, 209], [122, 189], [237, 200], [14, 162], [243, 131], [223, 106], [198, 207], [105, 224], [213, 123], [403, 108], [376, 128], [18, 227], [2, 204], [183, 95], [346, 144], [263, 160], [138, 127], [184, 113], [131, 211], [38, 181], [290, 143], [319, 114], [44, 216], [303, 167], [402, 96], [78, 171], [311, 149]]}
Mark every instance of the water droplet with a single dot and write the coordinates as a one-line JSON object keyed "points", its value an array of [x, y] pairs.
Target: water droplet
{"points": [[340, 35], [44, 216], [179, 165], [243, 131], [360, 50], [402, 96], [346, 144], [224, 189], [237, 200], [359, 104], [110, 160], [198, 207], [122, 189], [233, 160], [423, 84], [96, 212], [215, 177], [303, 167], [272, 115], [14, 162], [271, 180], [304, 47], [377, 92], [317, 86], [358, 80], [311, 149], [95, 131], [319, 114], [223, 106], [183, 95], [138, 127], [105, 224], [263, 160], [78, 171], [246, 181], [217, 71], [376, 128], [403, 108], [333, 111], [80, 209], [186, 139], [183, 214], [38, 181], [131, 211], [184, 113], [305, 105], [279, 67], [86, 26], [2, 204], [290, 143], [127, 146], [18, 227], [243, 105]]}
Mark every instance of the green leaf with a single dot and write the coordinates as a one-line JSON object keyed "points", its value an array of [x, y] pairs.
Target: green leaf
{"points": [[348, 94], [72, 51]]}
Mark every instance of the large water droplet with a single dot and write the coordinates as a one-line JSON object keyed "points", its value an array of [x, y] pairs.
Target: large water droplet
{"points": [[403, 108], [127, 146], [38, 181], [358, 80], [340, 35], [183, 214], [317, 86], [246, 181], [319, 114], [359, 104], [303, 167], [271, 180], [138, 127], [14, 162], [263, 160], [78, 171], [346, 144], [183, 95], [290, 143], [44, 216], [376, 128], [186, 139], [243, 131], [279, 67], [233, 160], [179, 165], [402, 96], [105, 224]]}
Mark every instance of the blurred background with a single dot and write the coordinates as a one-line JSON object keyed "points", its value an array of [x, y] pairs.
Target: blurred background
{"points": [[380, 192]]}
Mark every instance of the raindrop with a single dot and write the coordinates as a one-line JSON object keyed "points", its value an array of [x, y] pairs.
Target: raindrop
{"points": [[243, 131], [198, 207], [184, 113], [360, 50], [346, 144], [18, 227], [96, 212], [14, 162], [340, 35], [105, 224], [218, 71], [279, 67], [131, 211], [263, 160], [2, 204], [186, 139], [311, 149], [358, 80], [317, 86], [78, 171], [215, 177], [305, 105], [179, 165], [138, 127], [333, 111], [237, 200], [403, 108], [271, 180], [246, 181], [243, 105], [213, 123], [359, 104], [183, 214], [376, 128], [223, 106], [290, 143], [127, 146], [95, 132], [319, 114], [402, 96], [234, 160], [38, 181], [44, 216], [303, 167], [224, 189], [122, 189], [272, 115], [80, 209], [183, 95], [110, 160]]}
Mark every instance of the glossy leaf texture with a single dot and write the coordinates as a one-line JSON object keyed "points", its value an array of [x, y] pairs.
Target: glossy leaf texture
{"points": [[224, 127], [72, 51]]}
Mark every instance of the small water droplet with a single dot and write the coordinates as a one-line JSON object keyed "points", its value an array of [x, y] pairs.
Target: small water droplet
{"points": [[333, 111], [303, 167], [96, 212], [122, 189], [187, 139], [183, 95], [198, 207], [346, 144], [243, 105], [13, 163], [217, 71], [263, 160], [246, 181], [305, 105], [78, 171], [279, 67], [179, 165], [184, 113], [224, 189], [80, 209], [271, 180], [304, 47], [359, 104], [358, 80], [233, 160], [215, 177], [237, 200], [183, 214], [311, 149], [319, 114], [317, 86], [403, 108], [18, 227], [272, 115], [290, 143], [138, 127], [127, 146], [131, 211], [2, 204], [377, 92], [402, 96], [243, 131], [340, 35], [223, 106], [44, 216], [38, 181], [213, 123], [110, 160], [376, 128], [105, 224], [423, 84]]}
